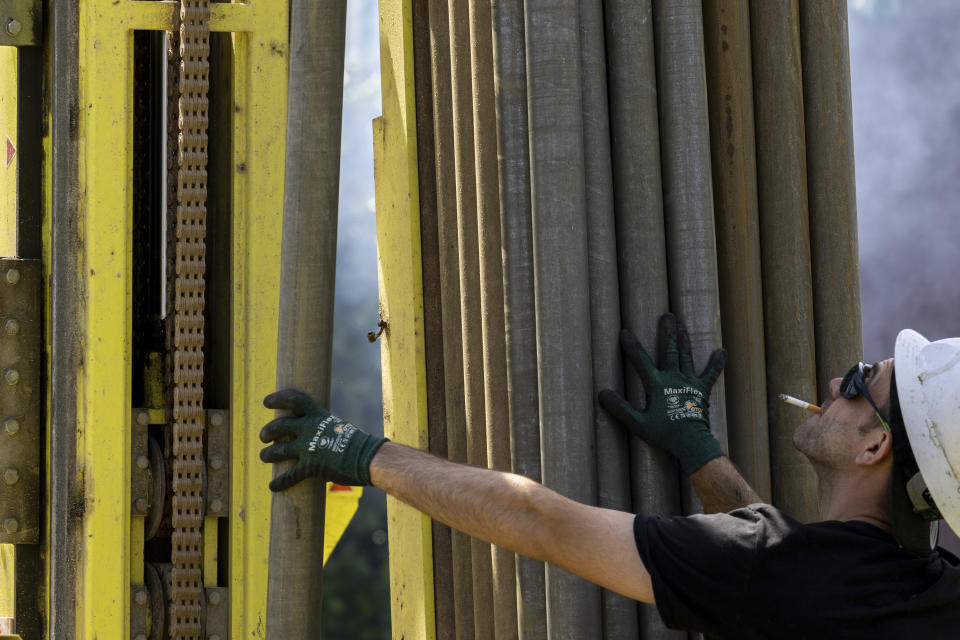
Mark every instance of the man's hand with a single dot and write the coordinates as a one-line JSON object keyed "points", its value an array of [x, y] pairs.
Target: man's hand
{"points": [[322, 444], [676, 416]]}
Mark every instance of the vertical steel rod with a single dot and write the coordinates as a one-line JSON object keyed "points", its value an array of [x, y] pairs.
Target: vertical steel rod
{"points": [[733, 156], [520, 314], [443, 592], [463, 143], [828, 121], [641, 246], [491, 296], [462, 563], [619, 613], [688, 191], [561, 288], [308, 268], [785, 245]]}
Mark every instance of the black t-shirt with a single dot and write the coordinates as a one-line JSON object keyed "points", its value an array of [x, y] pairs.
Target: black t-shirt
{"points": [[757, 573]]}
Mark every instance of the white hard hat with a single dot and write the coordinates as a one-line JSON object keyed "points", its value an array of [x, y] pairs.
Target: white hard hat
{"points": [[928, 385]]}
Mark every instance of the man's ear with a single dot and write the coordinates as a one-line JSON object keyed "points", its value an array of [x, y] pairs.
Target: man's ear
{"points": [[875, 448]]}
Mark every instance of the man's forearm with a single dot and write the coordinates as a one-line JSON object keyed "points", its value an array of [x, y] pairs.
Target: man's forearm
{"points": [[518, 514], [721, 487]]}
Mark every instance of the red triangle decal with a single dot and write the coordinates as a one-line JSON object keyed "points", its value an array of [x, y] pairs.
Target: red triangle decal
{"points": [[11, 151]]}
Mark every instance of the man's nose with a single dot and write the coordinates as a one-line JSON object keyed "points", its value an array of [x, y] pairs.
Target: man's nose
{"points": [[835, 387]]}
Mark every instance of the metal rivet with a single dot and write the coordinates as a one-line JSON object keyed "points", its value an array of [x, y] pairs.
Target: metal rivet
{"points": [[216, 462], [216, 505], [14, 27], [141, 504], [11, 426], [213, 597], [216, 419], [143, 418], [12, 327], [11, 476], [142, 462], [12, 376], [13, 275], [140, 597], [11, 525]]}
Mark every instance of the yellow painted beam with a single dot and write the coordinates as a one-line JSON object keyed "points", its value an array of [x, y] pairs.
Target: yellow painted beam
{"points": [[103, 438], [401, 303], [8, 136], [341, 505], [260, 68], [158, 16], [210, 546]]}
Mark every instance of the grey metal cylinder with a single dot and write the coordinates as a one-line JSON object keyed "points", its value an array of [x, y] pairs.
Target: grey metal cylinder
{"points": [[613, 465], [688, 191], [463, 143], [785, 246], [831, 189], [641, 245], [733, 159], [491, 296], [510, 82], [561, 288], [308, 269]]}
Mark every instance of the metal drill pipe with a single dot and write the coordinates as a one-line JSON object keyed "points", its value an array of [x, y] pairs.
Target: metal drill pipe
{"points": [[510, 82], [613, 465], [470, 310], [784, 245], [688, 191], [641, 245], [733, 157], [307, 280], [443, 592], [450, 299], [492, 321], [831, 189], [561, 288]]}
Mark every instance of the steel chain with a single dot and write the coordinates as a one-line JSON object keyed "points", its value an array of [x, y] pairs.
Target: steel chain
{"points": [[190, 262]]}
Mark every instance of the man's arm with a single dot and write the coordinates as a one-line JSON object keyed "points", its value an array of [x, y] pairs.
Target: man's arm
{"points": [[721, 488], [519, 514]]}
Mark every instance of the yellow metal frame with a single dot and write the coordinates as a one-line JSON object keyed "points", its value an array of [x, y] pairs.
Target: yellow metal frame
{"points": [[105, 169], [401, 305]]}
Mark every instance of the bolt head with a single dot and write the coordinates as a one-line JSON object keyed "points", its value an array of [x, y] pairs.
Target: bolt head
{"points": [[11, 476], [11, 525], [216, 505], [13, 275], [12, 376], [141, 504], [216, 462], [11, 426], [14, 27], [143, 418], [213, 597], [140, 597], [12, 327], [216, 418], [143, 463]]}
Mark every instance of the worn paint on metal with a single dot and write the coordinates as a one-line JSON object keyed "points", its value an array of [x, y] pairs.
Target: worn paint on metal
{"points": [[8, 131], [401, 307], [733, 158]]}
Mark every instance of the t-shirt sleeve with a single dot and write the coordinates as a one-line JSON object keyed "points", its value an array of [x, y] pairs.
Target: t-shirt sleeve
{"points": [[700, 567]]}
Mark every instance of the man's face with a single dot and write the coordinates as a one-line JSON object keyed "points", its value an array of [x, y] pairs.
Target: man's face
{"points": [[831, 438]]}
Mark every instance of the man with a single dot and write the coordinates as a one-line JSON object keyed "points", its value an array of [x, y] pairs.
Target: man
{"points": [[747, 570]]}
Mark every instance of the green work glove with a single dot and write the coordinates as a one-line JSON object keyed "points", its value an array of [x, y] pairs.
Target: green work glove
{"points": [[676, 417], [321, 443]]}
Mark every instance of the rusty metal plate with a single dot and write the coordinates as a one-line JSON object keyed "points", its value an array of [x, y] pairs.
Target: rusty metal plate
{"points": [[140, 464], [21, 23], [218, 613], [21, 360], [218, 467]]}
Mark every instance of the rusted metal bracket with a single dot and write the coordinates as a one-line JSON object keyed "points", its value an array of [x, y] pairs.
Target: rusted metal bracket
{"points": [[217, 447], [21, 358], [218, 613], [22, 23]]}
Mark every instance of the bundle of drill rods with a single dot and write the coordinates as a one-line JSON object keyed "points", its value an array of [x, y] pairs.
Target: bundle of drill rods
{"points": [[586, 166]]}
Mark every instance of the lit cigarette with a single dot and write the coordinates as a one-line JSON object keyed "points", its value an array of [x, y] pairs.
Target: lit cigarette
{"points": [[797, 402]]}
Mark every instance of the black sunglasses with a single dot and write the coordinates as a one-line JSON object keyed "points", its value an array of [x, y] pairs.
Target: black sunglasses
{"points": [[853, 385]]}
